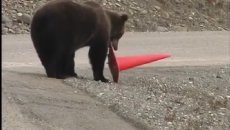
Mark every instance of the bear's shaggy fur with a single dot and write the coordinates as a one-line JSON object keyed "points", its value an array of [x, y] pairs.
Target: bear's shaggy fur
{"points": [[61, 27]]}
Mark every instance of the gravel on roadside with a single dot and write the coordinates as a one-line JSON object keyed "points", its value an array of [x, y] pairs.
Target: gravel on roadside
{"points": [[181, 98]]}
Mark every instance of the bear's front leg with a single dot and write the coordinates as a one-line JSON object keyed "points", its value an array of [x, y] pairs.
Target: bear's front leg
{"points": [[71, 65], [97, 56]]}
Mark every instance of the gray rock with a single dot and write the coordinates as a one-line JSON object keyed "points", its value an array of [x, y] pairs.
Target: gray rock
{"points": [[131, 12], [14, 11], [143, 12], [14, 27], [6, 21], [4, 31], [8, 25], [148, 22], [18, 31], [218, 76], [165, 14], [12, 31], [136, 20], [26, 18], [117, 4], [178, 1], [179, 28], [161, 29], [24, 27], [19, 14], [157, 7], [201, 4], [191, 79]]}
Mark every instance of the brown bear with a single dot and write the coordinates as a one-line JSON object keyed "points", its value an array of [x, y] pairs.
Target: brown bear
{"points": [[61, 27]]}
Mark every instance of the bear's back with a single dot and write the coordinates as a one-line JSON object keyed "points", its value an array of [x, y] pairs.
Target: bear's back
{"points": [[68, 11], [66, 18]]}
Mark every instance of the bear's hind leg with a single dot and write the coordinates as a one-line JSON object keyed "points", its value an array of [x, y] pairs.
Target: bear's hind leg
{"points": [[49, 63], [50, 69], [97, 56], [62, 65]]}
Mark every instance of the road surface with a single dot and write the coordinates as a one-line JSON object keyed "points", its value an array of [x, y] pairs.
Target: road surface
{"points": [[31, 101]]}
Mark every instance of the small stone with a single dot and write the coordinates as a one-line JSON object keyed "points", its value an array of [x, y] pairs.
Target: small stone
{"points": [[14, 27], [117, 4], [177, 1], [19, 14], [26, 18], [135, 3], [148, 98], [23, 27], [25, 32], [169, 123], [220, 28], [149, 22], [136, 20], [201, 25], [100, 94], [143, 12], [8, 25], [218, 76], [157, 7], [12, 31], [191, 79], [139, 114], [161, 29], [18, 31], [4, 31], [5, 19], [201, 4], [165, 14], [179, 28], [131, 12]]}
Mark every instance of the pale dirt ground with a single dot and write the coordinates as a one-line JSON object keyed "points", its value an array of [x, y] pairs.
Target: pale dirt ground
{"points": [[33, 101]]}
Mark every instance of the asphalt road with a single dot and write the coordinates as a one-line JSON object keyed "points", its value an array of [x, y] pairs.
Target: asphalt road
{"points": [[33, 101]]}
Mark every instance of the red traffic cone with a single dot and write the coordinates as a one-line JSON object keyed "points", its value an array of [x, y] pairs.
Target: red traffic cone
{"points": [[117, 64]]}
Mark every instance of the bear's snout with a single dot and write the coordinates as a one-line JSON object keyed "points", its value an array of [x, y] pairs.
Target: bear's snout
{"points": [[115, 44]]}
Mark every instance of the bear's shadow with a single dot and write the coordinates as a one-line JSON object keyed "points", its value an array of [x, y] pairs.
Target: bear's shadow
{"points": [[43, 75]]}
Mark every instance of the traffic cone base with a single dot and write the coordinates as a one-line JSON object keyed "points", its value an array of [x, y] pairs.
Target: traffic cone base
{"points": [[117, 64], [113, 65]]}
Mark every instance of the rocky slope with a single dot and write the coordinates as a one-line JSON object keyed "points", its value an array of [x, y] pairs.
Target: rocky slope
{"points": [[145, 15]]}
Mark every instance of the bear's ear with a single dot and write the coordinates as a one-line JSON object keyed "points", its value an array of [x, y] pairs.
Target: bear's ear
{"points": [[124, 17]]}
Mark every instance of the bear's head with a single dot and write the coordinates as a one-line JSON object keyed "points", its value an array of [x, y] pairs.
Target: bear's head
{"points": [[117, 21]]}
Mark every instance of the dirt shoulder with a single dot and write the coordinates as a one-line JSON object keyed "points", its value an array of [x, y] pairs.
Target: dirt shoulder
{"points": [[194, 93], [31, 101]]}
